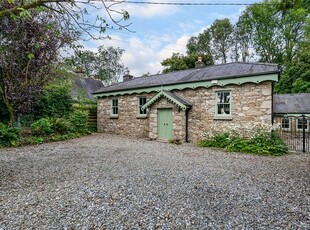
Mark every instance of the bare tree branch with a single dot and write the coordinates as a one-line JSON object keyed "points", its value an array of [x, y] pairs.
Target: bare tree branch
{"points": [[76, 10]]}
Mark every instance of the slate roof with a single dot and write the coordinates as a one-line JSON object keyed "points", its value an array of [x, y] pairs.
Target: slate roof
{"points": [[223, 71], [291, 103], [87, 85]]}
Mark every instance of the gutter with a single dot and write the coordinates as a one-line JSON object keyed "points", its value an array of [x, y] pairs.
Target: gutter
{"points": [[186, 82], [186, 125], [272, 104]]}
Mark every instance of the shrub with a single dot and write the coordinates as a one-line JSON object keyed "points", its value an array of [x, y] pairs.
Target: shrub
{"points": [[37, 140], [262, 143], [60, 125], [55, 101], [8, 135], [78, 121], [42, 127], [63, 137]]}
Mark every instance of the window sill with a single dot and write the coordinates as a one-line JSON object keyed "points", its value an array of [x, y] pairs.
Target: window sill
{"points": [[222, 118], [300, 131], [286, 130], [141, 116], [113, 116]]}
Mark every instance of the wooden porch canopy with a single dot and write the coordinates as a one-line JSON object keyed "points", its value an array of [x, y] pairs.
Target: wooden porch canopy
{"points": [[170, 96]]}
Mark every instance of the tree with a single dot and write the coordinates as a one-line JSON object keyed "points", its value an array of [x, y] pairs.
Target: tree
{"points": [[221, 32], [276, 36], [104, 65], [76, 11], [200, 44], [296, 77], [242, 40], [82, 61], [28, 50], [291, 4], [174, 63], [180, 62]]}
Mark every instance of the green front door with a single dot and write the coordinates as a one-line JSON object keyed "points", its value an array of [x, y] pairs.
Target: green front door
{"points": [[165, 124]]}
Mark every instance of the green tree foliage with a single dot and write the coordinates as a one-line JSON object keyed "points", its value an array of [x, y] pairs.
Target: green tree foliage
{"points": [[214, 42], [242, 41], [267, 39], [276, 36], [105, 64], [272, 31], [175, 63], [55, 100], [291, 4], [200, 44], [29, 48], [180, 62], [222, 38], [296, 76]]}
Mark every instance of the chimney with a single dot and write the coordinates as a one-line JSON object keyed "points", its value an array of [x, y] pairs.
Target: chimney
{"points": [[79, 72], [127, 75], [199, 63]]}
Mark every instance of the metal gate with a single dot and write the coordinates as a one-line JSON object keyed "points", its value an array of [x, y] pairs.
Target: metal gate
{"points": [[294, 131]]}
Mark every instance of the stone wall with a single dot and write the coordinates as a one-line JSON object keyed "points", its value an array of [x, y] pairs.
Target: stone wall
{"points": [[128, 121], [249, 102]]}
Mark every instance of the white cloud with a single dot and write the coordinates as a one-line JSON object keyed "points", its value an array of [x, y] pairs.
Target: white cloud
{"points": [[141, 55], [144, 53]]}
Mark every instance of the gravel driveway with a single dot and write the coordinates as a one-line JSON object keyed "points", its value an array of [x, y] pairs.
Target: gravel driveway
{"points": [[113, 182]]}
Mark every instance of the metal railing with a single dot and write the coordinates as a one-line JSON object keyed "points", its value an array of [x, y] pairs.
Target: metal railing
{"points": [[294, 131]]}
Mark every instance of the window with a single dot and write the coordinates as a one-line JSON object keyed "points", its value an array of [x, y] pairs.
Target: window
{"points": [[114, 107], [223, 103], [300, 125], [141, 101], [286, 123]]}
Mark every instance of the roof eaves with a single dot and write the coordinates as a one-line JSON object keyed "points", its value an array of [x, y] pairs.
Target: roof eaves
{"points": [[178, 83]]}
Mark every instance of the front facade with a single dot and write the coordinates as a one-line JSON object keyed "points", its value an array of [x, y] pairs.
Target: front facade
{"points": [[185, 104], [292, 111]]}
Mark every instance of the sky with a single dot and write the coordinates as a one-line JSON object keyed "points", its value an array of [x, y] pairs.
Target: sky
{"points": [[156, 31]]}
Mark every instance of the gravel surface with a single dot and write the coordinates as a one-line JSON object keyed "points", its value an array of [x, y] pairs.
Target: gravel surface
{"points": [[113, 182]]}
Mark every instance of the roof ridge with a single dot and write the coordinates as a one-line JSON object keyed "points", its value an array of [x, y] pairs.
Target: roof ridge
{"points": [[221, 71]]}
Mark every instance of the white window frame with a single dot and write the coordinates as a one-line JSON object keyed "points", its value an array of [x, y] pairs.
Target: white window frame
{"points": [[140, 112], [289, 124], [221, 115], [114, 113], [307, 124]]}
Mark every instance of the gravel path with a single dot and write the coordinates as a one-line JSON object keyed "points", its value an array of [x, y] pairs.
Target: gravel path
{"points": [[113, 182]]}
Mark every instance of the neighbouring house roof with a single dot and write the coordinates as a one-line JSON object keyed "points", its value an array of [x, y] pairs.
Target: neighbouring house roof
{"points": [[170, 96], [85, 87], [291, 103], [216, 72]]}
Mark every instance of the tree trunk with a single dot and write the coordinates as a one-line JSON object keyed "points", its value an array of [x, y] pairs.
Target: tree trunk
{"points": [[10, 110]]}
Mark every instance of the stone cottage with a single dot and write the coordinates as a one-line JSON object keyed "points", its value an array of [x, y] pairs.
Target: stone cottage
{"points": [[288, 110], [183, 104]]}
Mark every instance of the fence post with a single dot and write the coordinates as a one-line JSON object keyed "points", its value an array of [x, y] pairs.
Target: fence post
{"points": [[304, 122]]}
